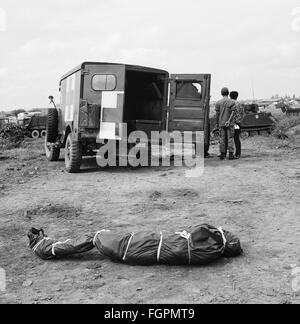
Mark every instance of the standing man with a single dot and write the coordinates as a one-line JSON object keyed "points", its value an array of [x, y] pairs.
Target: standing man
{"points": [[238, 117], [225, 109]]}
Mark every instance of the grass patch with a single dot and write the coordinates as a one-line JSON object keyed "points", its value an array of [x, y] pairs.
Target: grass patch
{"points": [[19, 165], [28, 150]]}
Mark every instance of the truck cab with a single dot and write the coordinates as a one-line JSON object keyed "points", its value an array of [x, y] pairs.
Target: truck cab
{"points": [[98, 99]]}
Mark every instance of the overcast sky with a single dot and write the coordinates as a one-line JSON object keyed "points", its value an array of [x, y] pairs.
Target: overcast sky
{"points": [[239, 42]]}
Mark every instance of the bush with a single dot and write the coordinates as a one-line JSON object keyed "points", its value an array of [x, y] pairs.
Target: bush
{"points": [[12, 136], [284, 125]]}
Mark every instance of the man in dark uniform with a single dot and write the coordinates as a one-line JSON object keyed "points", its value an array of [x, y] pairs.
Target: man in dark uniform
{"points": [[225, 109]]}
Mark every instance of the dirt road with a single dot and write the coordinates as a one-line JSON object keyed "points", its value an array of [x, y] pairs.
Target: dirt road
{"points": [[257, 198]]}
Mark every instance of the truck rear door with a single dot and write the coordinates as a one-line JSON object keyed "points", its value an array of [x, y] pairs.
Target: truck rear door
{"points": [[189, 103], [103, 100]]}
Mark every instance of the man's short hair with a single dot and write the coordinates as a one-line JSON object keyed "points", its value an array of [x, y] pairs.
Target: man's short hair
{"points": [[234, 95], [225, 92]]}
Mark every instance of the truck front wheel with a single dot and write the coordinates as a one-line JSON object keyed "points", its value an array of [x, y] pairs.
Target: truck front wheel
{"points": [[73, 155]]}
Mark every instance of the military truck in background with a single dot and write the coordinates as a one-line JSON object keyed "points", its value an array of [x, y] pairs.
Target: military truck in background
{"points": [[34, 124], [97, 99]]}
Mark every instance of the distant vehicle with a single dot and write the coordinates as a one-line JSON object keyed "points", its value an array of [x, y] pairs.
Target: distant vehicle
{"points": [[36, 126], [34, 113], [267, 102], [291, 109], [98, 98], [256, 121]]}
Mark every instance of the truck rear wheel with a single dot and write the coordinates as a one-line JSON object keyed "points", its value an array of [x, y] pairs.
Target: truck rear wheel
{"points": [[43, 133], [73, 155], [35, 134], [52, 152], [52, 125]]}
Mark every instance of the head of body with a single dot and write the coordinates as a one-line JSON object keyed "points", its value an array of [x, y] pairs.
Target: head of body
{"points": [[225, 92], [234, 95], [35, 236]]}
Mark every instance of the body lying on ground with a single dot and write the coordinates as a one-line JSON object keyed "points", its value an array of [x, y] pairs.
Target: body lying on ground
{"points": [[199, 245]]}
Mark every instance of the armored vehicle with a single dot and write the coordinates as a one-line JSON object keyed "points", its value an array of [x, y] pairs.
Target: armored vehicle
{"points": [[256, 122]]}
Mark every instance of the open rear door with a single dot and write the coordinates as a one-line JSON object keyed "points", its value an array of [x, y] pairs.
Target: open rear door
{"points": [[189, 103]]}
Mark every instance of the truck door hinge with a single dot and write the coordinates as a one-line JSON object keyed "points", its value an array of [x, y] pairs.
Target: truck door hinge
{"points": [[85, 72]]}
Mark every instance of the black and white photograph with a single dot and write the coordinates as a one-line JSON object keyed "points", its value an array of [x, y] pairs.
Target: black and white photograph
{"points": [[149, 154]]}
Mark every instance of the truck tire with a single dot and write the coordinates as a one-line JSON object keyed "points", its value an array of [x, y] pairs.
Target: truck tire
{"points": [[35, 134], [73, 155], [52, 152], [43, 133], [52, 125]]}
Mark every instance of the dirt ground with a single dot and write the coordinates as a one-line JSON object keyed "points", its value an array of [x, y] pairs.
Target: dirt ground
{"points": [[257, 198]]}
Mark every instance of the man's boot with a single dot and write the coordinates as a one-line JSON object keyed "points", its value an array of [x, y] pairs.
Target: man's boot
{"points": [[222, 156], [231, 157]]}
